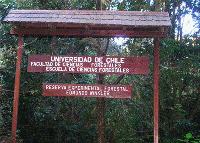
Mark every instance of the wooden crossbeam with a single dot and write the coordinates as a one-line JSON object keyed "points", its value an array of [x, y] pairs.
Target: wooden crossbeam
{"points": [[96, 33]]}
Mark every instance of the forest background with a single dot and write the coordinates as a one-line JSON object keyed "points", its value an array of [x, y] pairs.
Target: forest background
{"points": [[73, 120]]}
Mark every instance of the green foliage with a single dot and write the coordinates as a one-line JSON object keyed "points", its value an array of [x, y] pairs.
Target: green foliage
{"points": [[5, 6], [188, 138], [56, 120]]}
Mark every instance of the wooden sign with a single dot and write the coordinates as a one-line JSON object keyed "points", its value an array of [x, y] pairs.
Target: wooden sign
{"points": [[89, 64], [87, 90]]}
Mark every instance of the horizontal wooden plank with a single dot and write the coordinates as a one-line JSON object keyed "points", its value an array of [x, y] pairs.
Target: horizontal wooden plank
{"points": [[89, 20], [89, 64], [89, 12], [81, 16], [97, 33], [87, 90]]}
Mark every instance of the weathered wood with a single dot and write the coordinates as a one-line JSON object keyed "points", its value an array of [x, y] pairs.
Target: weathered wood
{"points": [[86, 12], [87, 90], [17, 88], [134, 33], [121, 18], [89, 64], [156, 75]]}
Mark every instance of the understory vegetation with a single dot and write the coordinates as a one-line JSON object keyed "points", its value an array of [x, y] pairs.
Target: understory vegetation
{"points": [[73, 120]]}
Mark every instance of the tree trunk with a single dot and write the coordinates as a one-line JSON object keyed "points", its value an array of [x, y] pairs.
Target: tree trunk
{"points": [[100, 106], [157, 5], [179, 28], [98, 5], [173, 20]]}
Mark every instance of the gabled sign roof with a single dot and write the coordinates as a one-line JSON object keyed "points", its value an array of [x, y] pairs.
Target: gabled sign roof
{"points": [[89, 23], [89, 17]]}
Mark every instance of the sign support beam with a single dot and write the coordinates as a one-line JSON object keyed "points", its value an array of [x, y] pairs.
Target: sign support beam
{"points": [[132, 33], [156, 73], [101, 107], [17, 88]]}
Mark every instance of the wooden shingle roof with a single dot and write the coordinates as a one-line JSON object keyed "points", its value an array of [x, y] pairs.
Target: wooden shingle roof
{"points": [[118, 18], [89, 23]]}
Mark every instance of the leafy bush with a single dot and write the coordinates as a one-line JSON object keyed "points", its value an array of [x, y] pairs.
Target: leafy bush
{"points": [[189, 138]]}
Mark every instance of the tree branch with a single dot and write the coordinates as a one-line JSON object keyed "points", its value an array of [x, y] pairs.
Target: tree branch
{"points": [[107, 45], [120, 78]]}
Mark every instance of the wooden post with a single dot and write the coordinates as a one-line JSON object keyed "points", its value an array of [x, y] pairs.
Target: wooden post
{"points": [[100, 120], [100, 107], [17, 88], [156, 74]]}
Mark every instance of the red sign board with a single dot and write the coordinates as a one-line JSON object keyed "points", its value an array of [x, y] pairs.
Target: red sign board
{"points": [[89, 64], [87, 90]]}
